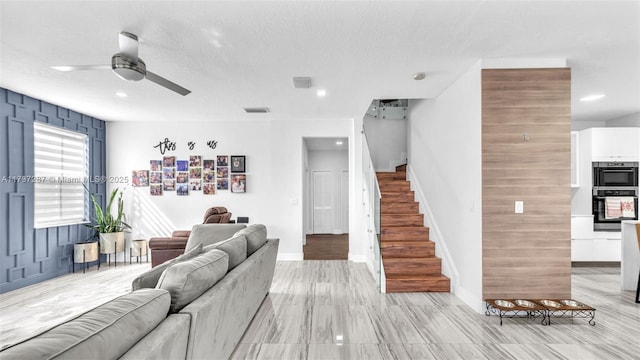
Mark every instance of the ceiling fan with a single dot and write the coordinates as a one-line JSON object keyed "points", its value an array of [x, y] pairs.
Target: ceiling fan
{"points": [[128, 66]]}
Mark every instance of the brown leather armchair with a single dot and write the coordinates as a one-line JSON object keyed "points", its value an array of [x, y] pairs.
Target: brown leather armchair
{"points": [[167, 248]]}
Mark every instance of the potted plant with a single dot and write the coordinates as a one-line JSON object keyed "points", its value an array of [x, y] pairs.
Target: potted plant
{"points": [[110, 228]]}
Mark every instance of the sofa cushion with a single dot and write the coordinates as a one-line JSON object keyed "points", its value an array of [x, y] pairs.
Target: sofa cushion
{"points": [[236, 248], [208, 234], [107, 331], [256, 235], [150, 278], [187, 280]]}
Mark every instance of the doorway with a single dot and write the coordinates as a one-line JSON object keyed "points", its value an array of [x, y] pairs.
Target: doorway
{"points": [[326, 203]]}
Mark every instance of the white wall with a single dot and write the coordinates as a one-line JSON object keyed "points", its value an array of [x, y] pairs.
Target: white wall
{"points": [[274, 162], [445, 169], [582, 125], [631, 120], [387, 140], [336, 162]]}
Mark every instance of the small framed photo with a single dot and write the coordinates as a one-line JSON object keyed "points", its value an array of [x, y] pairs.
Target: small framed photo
{"points": [[182, 190], [156, 165], [222, 160], [182, 165], [237, 163], [169, 161], [156, 189], [209, 188], [223, 172], [222, 184], [239, 183], [155, 177], [140, 178]]}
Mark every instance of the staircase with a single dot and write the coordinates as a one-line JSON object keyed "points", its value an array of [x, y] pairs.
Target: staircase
{"points": [[408, 256]]}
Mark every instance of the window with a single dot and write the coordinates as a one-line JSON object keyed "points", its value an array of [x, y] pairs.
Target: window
{"points": [[61, 167]]}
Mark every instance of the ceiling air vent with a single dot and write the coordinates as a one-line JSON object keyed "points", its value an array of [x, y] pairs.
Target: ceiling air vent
{"points": [[301, 82], [256, 110]]}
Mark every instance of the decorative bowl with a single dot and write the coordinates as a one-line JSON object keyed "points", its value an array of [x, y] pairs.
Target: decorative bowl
{"points": [[505, 303]]}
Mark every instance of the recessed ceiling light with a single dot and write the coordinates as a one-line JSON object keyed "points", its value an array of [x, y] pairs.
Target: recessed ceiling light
{"points": [[322, 92], [339, 142], [419, 76], [62, 68], [256, 110], [121, 94], [592, 97]]}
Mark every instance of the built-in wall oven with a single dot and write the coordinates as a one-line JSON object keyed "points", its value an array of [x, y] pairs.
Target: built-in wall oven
{"points": [[611, 206], [615, 174], [615, 194]]}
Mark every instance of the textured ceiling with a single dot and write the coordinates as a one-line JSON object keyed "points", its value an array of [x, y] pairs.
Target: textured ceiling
{"points": [[245, 53]]}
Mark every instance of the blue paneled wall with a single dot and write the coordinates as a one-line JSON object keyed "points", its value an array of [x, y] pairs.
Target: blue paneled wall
{"points": [[29, 255]]}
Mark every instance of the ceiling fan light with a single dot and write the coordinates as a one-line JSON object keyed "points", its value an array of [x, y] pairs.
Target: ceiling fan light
{"points": [[127, 70]]}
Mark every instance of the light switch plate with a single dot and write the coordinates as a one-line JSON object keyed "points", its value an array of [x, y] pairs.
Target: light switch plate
{"points": [[519, 206]]}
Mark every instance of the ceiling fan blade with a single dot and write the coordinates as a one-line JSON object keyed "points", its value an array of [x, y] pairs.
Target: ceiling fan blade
{"points": [[81, 67], [128, 43], [167, 83]]}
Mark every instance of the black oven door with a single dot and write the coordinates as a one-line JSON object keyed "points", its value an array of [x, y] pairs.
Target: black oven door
{"points": [[602, 222]]}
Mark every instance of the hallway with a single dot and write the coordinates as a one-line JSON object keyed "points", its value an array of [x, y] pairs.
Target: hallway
{"points": [[326, 247]]}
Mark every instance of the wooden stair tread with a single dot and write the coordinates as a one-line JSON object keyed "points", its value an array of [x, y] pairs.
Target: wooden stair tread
{"points": [[408, 256], [416, 277], [430, 283]]}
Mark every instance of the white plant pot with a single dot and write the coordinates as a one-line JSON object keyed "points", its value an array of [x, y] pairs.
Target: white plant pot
{"points": [[85, 252], [111, 242]]}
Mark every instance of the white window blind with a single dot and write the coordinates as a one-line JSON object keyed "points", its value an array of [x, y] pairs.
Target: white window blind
{"points": [[61, 168]]}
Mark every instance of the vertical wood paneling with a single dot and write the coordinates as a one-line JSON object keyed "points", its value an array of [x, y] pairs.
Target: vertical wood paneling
{"points": [[17, 224], [31, 255], [526, 151]]}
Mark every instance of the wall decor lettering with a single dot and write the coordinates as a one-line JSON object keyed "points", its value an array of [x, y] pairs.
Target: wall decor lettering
{"points": [[191, 145], [165, 145], [212, 144]]}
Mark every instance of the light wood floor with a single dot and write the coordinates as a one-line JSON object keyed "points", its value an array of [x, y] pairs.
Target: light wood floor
{"points": [[327, 247], [332, 310]]}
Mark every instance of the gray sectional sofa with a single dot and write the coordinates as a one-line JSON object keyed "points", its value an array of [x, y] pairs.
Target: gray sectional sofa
{"points": [[196, 306]]}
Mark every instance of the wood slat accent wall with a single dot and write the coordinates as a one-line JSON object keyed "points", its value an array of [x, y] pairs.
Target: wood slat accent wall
{"points": [[526, 255]]}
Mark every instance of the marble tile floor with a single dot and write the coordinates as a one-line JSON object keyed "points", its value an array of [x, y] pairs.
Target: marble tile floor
{"points": [[30, 310], [332, 310]]}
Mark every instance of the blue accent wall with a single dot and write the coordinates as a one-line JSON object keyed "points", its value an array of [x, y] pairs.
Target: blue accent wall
{"points": [[29, 255]]}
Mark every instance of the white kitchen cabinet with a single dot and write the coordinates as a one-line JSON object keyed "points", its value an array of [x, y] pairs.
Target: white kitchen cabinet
{"points": [[589, 245], [581, 250], [616, 143], [596, 250], [607, 249]]}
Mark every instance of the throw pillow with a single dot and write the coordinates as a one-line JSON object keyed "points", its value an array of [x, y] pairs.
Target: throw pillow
{"points": [[150, 278], [256, 235], [236, 248], [189, 279], [208, 234]]}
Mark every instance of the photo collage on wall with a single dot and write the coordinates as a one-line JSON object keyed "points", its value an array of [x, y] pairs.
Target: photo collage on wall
{"points": [[187, 176]]}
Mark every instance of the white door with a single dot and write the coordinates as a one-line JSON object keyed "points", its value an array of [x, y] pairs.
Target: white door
{"points": [[322, 204], [344, 196]]}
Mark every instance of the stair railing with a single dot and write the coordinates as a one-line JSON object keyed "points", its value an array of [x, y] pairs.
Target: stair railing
{"points": [[371, 202]]}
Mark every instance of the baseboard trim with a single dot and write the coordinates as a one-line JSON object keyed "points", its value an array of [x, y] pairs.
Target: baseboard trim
{"points": [[357, 258], [595, 264], [290, 257]]}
